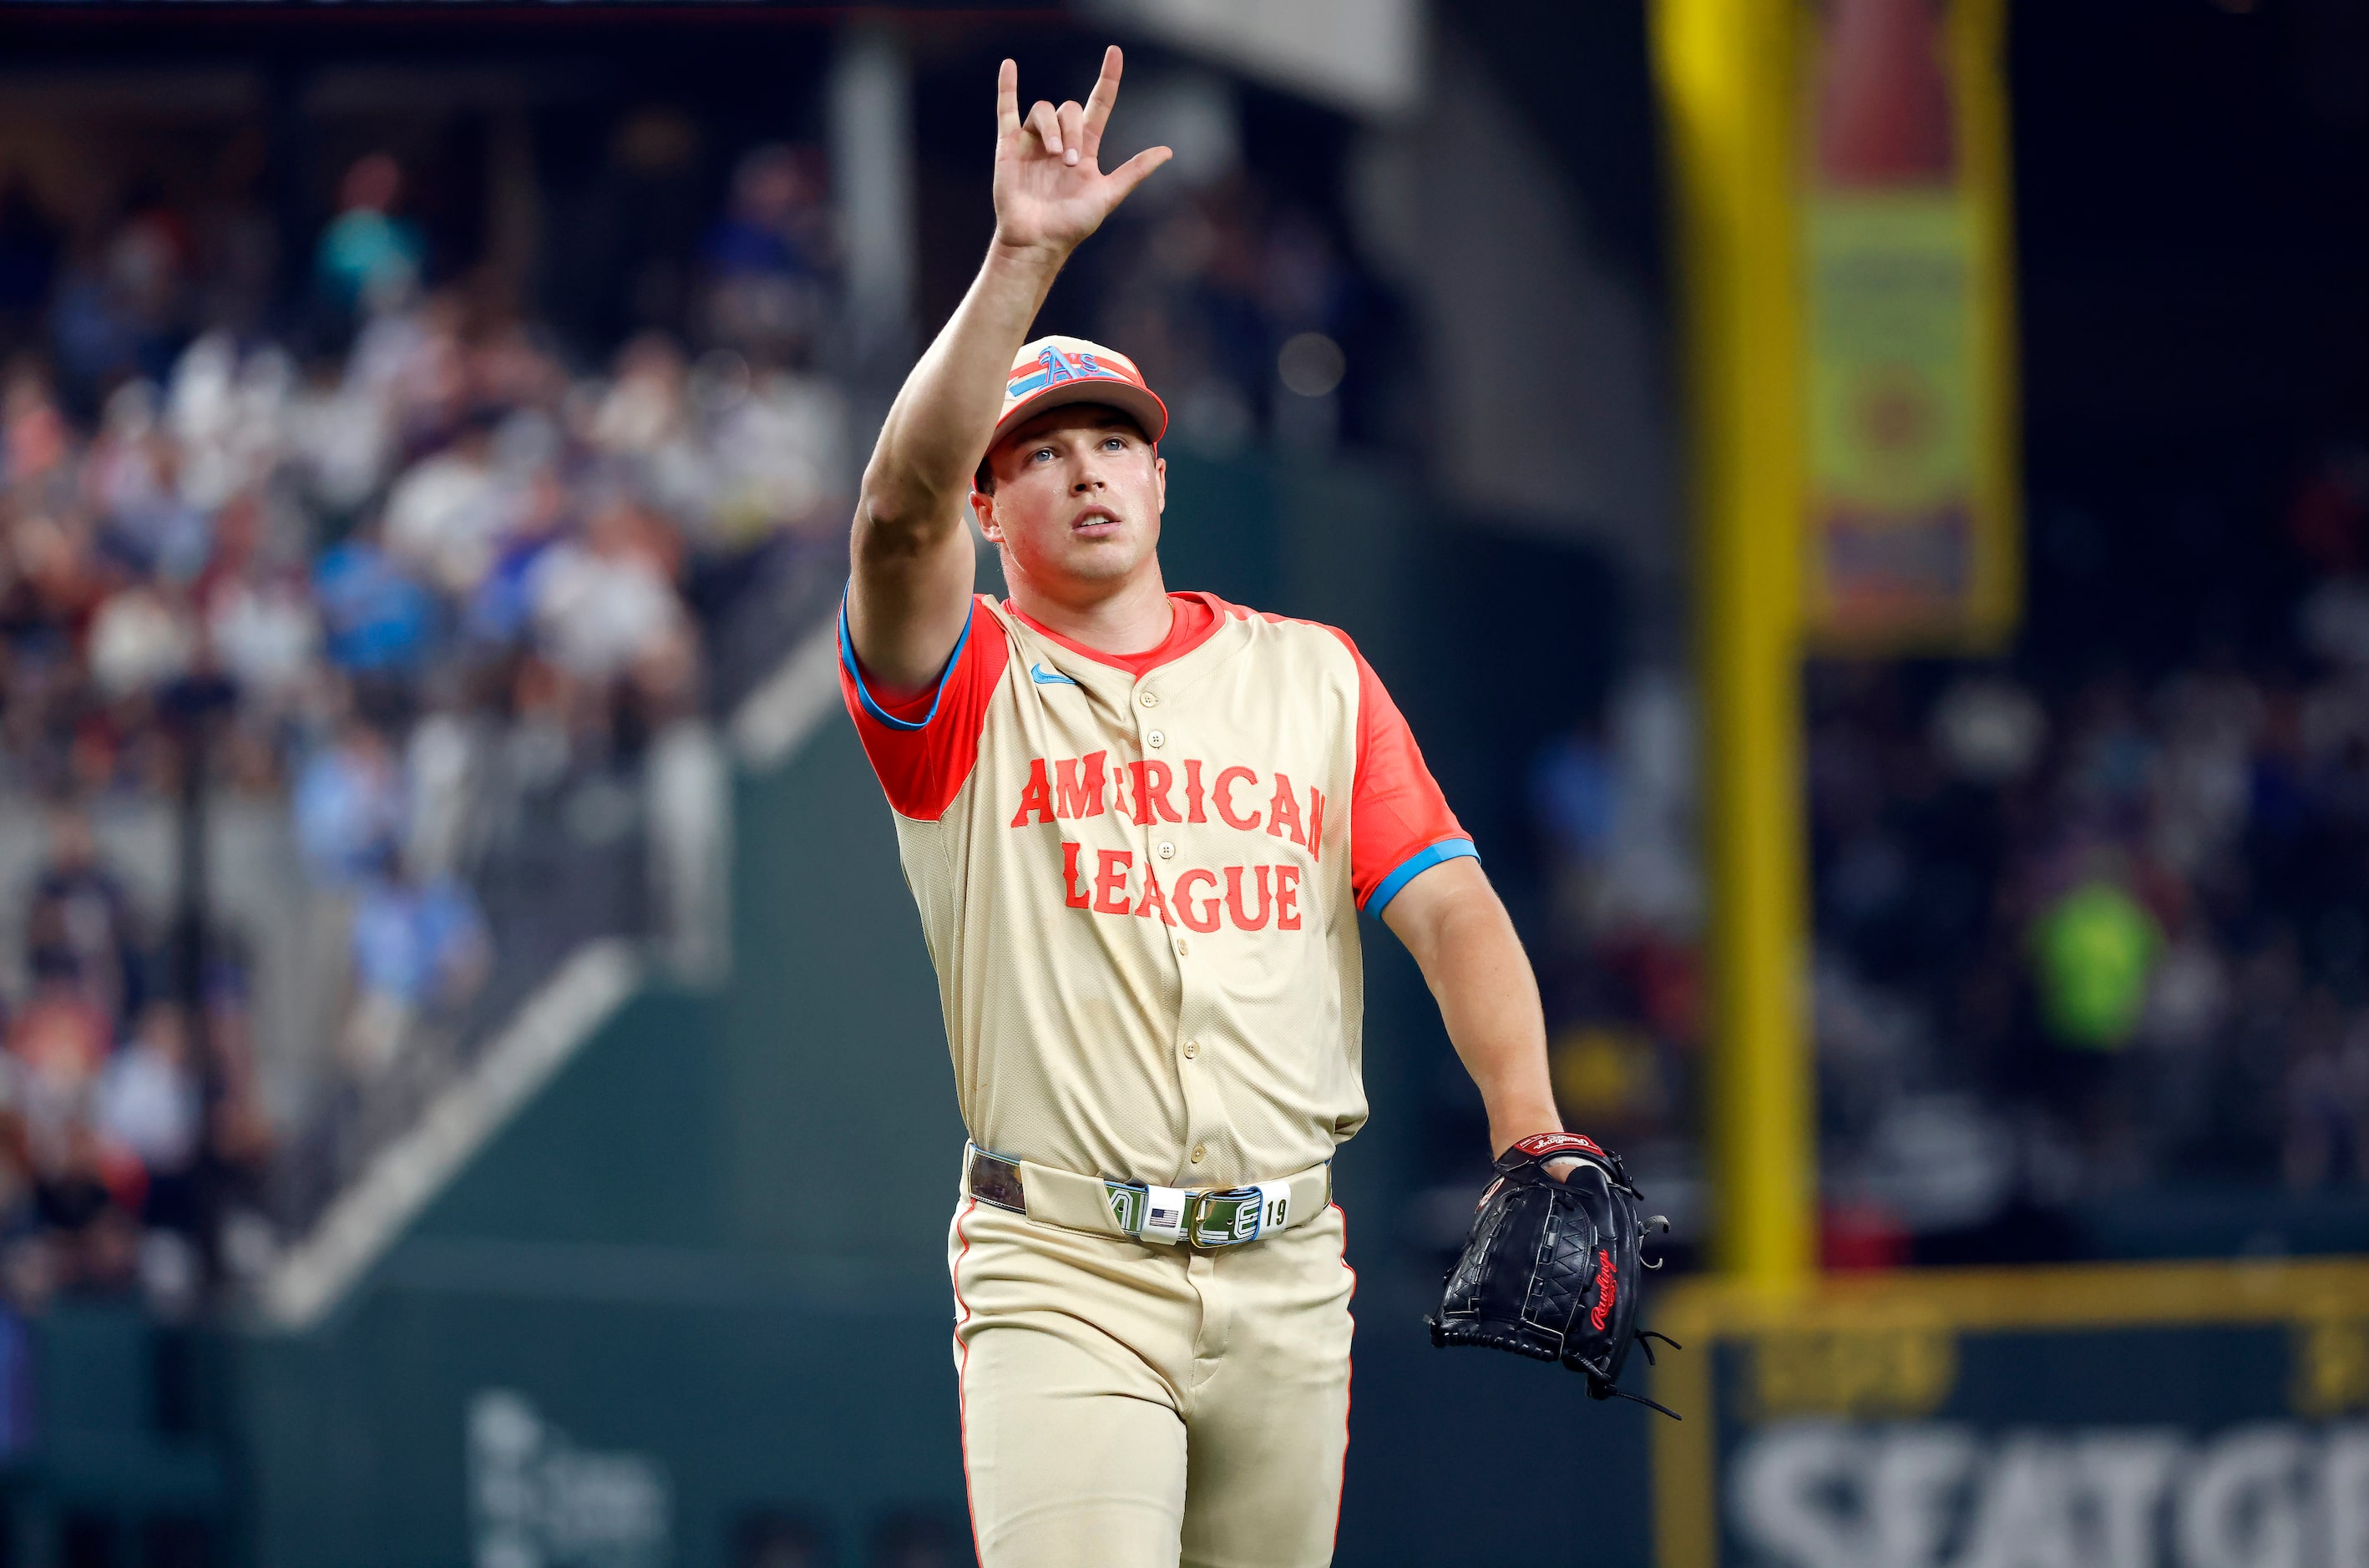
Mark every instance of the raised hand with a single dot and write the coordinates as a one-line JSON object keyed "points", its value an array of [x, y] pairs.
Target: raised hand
{"points": [[1050, 192]]}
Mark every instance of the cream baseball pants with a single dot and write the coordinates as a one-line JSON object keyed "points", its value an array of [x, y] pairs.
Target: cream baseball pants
{"points": [[1128, 1406]]}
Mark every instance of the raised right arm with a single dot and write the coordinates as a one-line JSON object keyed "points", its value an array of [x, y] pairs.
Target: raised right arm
{"points": [[909, 593]]}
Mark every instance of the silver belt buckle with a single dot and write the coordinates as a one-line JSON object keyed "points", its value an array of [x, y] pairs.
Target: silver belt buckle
{"points": [[1225, 1217], [1228, 1218]]}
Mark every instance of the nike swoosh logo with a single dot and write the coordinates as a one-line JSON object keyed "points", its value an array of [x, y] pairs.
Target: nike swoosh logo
{"points": [[1044, 676]]}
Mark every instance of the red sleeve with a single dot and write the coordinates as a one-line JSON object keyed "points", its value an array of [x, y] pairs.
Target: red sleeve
{"points": [[923, 747], [1400, 825]]}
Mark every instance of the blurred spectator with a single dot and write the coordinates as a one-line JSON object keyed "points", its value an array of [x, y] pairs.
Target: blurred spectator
{"points": [[139, 639], [647, 419], [38, 441], [350, 806], [446, 515], [150, 1103], [121, 303], [259, 618], [2094, 949], [770, 256], [80, 927], [417, 951], [87, 1198], [380, 620], [57, 1046], [369, 259], [779, 443], [607, 605], [148, 263]]}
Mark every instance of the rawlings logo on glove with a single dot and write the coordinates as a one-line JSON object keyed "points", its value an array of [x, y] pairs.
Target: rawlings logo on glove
{"points": [[1540, 1274], [1541, 1145]]}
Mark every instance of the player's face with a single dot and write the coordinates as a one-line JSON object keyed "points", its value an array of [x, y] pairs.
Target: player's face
{"points": [[1078, 498]]}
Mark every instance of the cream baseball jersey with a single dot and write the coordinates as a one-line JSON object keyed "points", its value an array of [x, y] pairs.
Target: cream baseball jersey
{"points": [[1139, 879]]}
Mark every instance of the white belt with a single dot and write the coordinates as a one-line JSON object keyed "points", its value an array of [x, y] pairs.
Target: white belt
{"points": [[1207, 1217]]}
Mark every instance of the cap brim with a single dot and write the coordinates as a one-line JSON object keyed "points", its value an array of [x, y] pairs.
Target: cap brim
{"points": [[1137, 403]]}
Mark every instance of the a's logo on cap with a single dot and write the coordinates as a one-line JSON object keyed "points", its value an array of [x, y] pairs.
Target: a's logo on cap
{"points": [[1052, 365], [1064, 371]]}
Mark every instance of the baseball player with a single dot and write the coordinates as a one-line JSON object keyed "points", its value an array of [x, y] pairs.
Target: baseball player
{"points": [[1140, 827]]}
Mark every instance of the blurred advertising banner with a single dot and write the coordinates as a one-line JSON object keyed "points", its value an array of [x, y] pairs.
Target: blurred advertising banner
{"points": [[2187, 1416], [1912, 516]]}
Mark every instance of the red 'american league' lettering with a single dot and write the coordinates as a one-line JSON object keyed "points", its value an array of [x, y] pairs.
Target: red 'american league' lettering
{"points": [[1071, 788], [1252, 897], [1108, 882]]}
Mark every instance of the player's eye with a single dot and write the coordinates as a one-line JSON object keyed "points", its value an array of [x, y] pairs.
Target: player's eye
{"points": [[1040, 451], [1113, 444]]}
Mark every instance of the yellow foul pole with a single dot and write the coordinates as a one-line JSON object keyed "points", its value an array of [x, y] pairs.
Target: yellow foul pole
{"points": [[1727, 75]]}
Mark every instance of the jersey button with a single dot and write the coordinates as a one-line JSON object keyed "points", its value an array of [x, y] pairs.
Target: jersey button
{"points": [[1192, 1049], [1199, 1153], [1183, 947], [1155, 739], [1167, 851], [1148, 699]]}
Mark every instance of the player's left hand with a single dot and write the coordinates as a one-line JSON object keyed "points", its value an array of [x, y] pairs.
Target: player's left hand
{"points": [[1553, 1265], [1051, 190]]}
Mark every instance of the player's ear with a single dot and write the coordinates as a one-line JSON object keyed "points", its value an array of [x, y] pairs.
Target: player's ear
{"points": [[1159, 476], [982, 511]]}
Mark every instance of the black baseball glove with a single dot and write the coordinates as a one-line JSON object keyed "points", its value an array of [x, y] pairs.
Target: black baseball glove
{"points": [[1552, 1269]]}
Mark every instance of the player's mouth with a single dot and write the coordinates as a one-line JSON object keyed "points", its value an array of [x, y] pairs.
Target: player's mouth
{"points": [[1094, 522]]}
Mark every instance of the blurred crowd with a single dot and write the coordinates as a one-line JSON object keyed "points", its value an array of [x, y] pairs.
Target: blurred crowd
{"points": [[377, 546], [2089, 936], [437, 570], [1232, 281], [1251, 319], [2082, 932], [134, 1139]]}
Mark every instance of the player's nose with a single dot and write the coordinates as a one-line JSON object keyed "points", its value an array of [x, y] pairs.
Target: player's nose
{"points": [[1085, 467]]}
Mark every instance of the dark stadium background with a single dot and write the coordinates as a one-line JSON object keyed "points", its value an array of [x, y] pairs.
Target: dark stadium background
{"points": [[554, 1165]]}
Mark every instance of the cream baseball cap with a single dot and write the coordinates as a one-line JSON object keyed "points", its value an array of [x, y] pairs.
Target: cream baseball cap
{"points": [[1054, 371]]}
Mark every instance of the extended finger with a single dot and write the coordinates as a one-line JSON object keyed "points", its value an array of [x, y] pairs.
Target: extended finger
{"points": [[1073, 131], [1047, 124], [1007, 99], [1099, 101], [1130, 175]]}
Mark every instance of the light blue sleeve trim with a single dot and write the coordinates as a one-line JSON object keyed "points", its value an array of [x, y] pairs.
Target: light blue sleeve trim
{"points": [[847, 657], [1415, 866]]}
